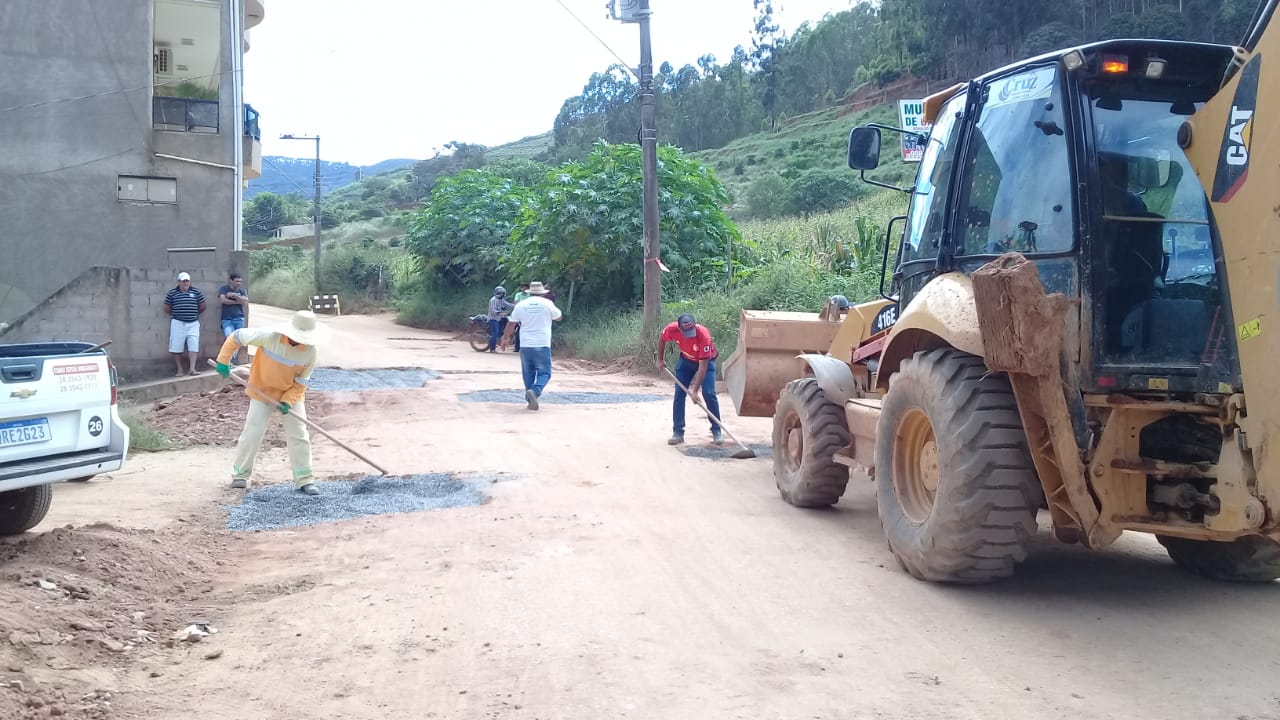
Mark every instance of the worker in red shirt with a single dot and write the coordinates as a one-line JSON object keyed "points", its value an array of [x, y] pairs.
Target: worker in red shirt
{"points": [[696, 370]]}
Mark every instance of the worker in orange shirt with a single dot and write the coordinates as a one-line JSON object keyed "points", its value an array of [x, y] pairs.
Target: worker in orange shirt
{"points": [[285, 359]]}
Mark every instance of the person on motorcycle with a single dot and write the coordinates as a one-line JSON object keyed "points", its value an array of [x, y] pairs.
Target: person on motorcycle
{"points": [[499, 308]]}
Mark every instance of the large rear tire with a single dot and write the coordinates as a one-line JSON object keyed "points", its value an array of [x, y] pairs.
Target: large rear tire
{"points": [[808, 430], [21, 510], [1249, 559], [955, 484]]}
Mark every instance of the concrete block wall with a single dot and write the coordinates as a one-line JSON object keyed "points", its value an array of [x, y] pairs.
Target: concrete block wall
{"points": [[125, 306]]}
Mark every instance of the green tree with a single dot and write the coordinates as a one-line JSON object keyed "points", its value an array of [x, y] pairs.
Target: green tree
{"points": [[821, 190], [264, 213], [425, 173], [1049, 37], [767, 196], [586, 229], [460, 235]]}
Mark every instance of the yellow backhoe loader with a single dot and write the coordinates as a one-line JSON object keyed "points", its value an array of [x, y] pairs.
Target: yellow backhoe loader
{"points": [[1082, 317]]}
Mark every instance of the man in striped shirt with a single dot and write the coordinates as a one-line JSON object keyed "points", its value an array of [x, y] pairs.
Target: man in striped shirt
{"points": [[183, 304]]}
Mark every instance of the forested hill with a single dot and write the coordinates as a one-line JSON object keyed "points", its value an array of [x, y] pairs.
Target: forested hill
{"points": [[284, 175], [711, 103]]}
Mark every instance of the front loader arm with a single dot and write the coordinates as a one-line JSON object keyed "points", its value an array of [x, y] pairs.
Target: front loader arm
{"points": [[1234, 145]]}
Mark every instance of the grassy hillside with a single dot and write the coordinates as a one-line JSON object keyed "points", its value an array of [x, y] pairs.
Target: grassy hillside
{"points": [[817, 140], [522, 149]]}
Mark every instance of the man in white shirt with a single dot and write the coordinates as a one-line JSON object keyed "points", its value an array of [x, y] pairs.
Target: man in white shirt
{"points": [[532, 318]]}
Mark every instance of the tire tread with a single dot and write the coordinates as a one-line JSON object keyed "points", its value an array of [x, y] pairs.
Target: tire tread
{"points": [[985, 515], [821, 481]]}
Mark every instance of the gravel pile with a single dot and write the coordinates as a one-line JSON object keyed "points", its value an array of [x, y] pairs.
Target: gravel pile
{"points": [[281, 506], [724, 451], [330, 379], [559, 398]]}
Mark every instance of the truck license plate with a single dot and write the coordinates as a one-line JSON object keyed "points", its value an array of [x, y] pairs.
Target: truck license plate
{"points": [[21, 432]]}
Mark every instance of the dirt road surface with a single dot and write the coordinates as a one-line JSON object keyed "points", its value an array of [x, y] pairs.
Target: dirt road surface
{"points": [[614, 577]]}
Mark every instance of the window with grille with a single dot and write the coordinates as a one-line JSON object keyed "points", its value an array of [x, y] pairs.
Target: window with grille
{"points": [[164, 61]]}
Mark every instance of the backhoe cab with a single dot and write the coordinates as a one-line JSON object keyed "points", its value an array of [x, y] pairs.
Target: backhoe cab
{"points": [[1065, 333]]}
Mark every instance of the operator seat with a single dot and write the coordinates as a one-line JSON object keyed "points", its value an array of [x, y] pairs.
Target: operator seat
{"points": [[1135, 253]]}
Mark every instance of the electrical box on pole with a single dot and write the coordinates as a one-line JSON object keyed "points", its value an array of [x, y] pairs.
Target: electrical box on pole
{"points": [[627, 11]]}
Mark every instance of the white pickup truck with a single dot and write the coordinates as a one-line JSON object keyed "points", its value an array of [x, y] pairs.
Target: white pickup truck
{"points": [[58, 422]]}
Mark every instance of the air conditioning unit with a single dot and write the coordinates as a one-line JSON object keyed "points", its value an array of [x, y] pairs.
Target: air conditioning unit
{"points": [[163, 60]]}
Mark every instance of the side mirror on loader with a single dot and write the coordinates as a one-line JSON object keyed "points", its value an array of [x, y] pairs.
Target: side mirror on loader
{"points": [[864, 148]]}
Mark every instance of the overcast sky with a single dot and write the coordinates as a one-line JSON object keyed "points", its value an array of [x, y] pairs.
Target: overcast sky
{"points": [[379, 79]]}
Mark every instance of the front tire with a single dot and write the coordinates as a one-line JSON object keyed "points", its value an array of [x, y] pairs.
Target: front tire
{"points": [[479, 339], [21, 510], [808, 430], [1250, 559], [955, 484]]}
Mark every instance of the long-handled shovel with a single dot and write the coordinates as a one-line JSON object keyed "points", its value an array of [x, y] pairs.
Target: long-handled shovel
{"points": [[745, 453], [263, 398]]}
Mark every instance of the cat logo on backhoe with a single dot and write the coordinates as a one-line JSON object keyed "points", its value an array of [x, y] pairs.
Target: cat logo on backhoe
{"points": [[1239, 135], [1233, 160]]}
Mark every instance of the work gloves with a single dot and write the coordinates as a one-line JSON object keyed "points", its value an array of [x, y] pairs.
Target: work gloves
{"points": [[224, 370], [284, 408]]}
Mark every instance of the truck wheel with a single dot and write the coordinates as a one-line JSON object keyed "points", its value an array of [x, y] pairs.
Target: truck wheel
{"points": [[955, 484], [21, 510], [808, 430], [1250, 559]]}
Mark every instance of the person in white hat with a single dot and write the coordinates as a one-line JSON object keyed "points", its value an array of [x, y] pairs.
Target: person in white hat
{"points": [[532, 318], [285, 359]]}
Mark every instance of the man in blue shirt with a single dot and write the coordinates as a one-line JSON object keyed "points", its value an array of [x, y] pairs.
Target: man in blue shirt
{"points": [[235, 308], [183, 304]]}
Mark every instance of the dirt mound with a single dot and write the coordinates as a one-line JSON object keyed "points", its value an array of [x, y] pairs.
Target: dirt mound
{"points": [[619, 366], [216, 417], [76, 600]]}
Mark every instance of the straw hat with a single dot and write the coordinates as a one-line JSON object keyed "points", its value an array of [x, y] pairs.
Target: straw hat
{"points": [[304, 329], [537, 288]]}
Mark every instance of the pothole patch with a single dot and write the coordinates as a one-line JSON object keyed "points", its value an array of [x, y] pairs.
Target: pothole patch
{"points": [[273, 507], [724, 452], [333, 379], [560, 398]]}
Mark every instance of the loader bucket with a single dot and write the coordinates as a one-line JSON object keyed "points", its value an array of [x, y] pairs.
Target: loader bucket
{"points": [[765, 359]]}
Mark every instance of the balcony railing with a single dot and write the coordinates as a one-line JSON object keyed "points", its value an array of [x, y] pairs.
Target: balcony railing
{"points": [[184, 114], [251, 122]]}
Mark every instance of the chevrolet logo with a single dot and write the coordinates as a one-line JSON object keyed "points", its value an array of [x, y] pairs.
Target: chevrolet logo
{"points": [[22, 394]]}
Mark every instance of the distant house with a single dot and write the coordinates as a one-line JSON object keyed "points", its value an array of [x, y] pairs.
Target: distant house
{"points": [[289, 232], [120, 157]]}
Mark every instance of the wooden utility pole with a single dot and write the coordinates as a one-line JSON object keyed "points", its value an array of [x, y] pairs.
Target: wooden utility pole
{"points": [[637, 11], [649, 155]]}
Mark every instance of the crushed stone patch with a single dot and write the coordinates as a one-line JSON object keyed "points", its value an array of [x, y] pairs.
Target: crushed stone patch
{"points": [[724, 452], [560, 398], [336, 379], [273, 507]]}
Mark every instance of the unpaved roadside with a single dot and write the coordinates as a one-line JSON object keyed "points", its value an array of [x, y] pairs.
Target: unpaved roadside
{"points": [[616, 577]]}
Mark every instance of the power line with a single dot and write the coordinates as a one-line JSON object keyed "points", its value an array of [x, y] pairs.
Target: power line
{"points": [[107, 93], [76, 165], [285, 175], [600, 40]]}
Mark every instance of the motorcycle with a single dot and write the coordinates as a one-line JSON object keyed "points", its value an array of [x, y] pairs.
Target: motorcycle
{"points": [[478, 333]]}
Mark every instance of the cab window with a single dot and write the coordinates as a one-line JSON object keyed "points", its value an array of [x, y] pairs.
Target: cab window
{"points": [[927, 216], [1018, 171], [1161, 285]]}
